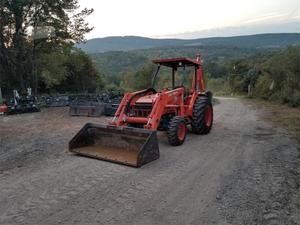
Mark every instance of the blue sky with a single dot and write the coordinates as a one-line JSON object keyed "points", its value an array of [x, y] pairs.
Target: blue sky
{"points": [[192, 18]]}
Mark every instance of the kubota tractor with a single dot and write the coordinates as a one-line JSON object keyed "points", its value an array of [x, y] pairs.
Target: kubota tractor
{"points": [[131, 137]]}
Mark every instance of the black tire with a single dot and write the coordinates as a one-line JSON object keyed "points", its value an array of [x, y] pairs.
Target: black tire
{"points": [[199, 125], [174, 127], [35, 109]]}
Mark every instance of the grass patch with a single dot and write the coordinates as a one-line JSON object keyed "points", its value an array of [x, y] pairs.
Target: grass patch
{"points": [[282, 115], [286, 117]]}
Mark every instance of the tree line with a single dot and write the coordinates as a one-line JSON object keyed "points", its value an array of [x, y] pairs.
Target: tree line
{"points": [[37, 39], [272, 76], [37, 50]]}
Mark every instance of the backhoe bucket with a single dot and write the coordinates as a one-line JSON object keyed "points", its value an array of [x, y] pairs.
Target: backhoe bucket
{"points": [[129, 146]]}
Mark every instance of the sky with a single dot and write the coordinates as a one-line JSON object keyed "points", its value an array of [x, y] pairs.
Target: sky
{"points": [[191, 18]]}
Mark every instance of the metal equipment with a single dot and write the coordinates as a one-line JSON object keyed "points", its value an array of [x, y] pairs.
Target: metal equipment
{"points": [[86, 106], [56, 101], [131, 136], [129, 146], [26, 103], [112, 106]]}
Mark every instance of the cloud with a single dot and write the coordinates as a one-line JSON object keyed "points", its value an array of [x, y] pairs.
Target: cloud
{"points": [[265, 18], [162, 17], [283, 27]]}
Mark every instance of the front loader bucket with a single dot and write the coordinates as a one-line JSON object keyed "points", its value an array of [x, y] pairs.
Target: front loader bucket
{"points": [[129, 146]]}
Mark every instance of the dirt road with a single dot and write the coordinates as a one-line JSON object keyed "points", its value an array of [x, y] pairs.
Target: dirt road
{"points": [[244, 172]]}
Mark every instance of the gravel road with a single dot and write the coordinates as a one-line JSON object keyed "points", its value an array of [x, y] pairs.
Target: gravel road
{"points": [[246, 171]]}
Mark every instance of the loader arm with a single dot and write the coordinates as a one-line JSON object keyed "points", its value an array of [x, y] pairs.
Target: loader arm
{"points": [[167, 102], [122, 111]]}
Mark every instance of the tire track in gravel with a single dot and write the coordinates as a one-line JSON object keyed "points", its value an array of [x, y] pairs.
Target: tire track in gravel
{"points": [[231, 176]]}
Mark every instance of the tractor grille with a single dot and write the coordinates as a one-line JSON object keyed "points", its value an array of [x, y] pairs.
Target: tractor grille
{"points": [[141, 110]]}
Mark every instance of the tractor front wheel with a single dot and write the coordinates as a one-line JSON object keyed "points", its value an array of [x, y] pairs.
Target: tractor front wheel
{"points": [[202, 116], [177, 131]]}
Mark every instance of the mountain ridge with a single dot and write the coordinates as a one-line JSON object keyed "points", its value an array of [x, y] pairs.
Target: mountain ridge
{"points": [[127, 43]]}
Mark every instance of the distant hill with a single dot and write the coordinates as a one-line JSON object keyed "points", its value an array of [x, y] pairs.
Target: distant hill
{"points": [[128, 43], [114, 64]]}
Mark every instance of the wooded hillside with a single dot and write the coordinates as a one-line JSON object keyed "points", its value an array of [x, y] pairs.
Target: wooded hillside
{"points": [[37, 47], [127, 43]]}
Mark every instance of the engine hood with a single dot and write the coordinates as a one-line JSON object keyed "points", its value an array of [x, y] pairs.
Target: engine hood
{"points": [[147, 99]]}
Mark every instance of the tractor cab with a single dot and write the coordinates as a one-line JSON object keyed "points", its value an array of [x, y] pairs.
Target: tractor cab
{"points": [[182, 70], [186, 78]]}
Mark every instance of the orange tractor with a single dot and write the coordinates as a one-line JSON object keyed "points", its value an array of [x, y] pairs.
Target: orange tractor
{"points": [[131, 138]]}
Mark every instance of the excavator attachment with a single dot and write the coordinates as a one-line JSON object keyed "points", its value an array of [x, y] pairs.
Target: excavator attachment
{"points": [[86, 106], [91, 111], [124, 145]]}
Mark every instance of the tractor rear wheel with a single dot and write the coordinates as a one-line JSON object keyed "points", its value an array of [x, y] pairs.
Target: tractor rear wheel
{"points": [[202, 116], [177, 131]]}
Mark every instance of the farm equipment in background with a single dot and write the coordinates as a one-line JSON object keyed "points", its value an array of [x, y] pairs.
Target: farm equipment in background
{"points": [[86, 106], [110, 109], [95, 105], [131, 137], [26, 103], [3, 106], [56, 101], [111, 106]]}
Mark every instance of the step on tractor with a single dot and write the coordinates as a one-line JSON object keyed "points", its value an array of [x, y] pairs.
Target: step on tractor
{"points": [[131, 136]]}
